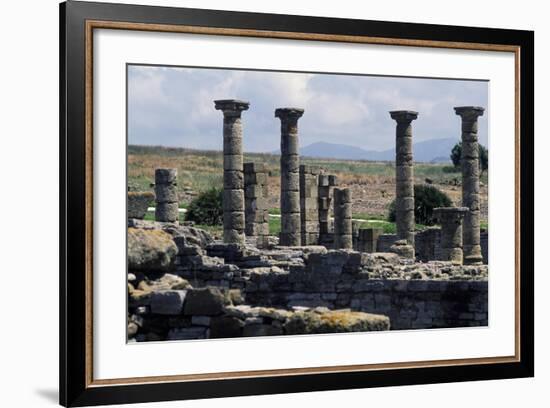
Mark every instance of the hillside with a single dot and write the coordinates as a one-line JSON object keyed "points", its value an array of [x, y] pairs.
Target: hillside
{"points": [[432, 151], [372, 183]]}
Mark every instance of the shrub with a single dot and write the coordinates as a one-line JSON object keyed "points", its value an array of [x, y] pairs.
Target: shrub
{"points": [[206, 208], [456, 154], [426, 198]]}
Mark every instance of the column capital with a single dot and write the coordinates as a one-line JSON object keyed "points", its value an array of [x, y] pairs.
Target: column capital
{"points": [[469, 112], [289, 113], [404, 116], [231, 107]]}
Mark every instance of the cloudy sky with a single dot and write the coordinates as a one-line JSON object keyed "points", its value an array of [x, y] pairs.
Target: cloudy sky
{"points": [[171, 106]]}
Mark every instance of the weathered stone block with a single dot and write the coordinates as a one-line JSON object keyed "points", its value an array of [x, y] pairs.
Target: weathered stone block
{"points": [[253, 167], [166, 176], [233, 145], [138, 202], [188, 333], [167, 302], [290, 163], [334, 322], [233, 180], [233, 162], [150, 250], [167, 212], [207, 301], [225, 327], [233, 200], [166, 193], [233, 220]]}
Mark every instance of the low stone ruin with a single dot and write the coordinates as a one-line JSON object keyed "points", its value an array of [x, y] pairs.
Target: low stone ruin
{"points": [[321, 274], [182, 284]]}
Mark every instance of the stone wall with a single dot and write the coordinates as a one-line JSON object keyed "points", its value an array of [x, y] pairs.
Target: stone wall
{"points": [[427, 244], [169, 308], [341, 280], [412, 294]]}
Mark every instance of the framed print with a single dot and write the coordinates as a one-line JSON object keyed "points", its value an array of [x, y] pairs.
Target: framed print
{"points": [[256, 203]]}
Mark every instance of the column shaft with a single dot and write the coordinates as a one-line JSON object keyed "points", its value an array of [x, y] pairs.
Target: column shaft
{"points": [[404, 176], [470, 183], [233, 179], [290, 177]]}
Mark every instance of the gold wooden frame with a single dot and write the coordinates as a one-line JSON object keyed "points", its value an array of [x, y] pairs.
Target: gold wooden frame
{"points": [[99, 24]]}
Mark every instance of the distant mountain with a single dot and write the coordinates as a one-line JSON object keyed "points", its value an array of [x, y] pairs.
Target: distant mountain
{"points": [[432, 151], [334, 151]]}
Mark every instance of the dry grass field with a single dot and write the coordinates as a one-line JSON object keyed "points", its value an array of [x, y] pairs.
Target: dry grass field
{"points": [[372, 183]]}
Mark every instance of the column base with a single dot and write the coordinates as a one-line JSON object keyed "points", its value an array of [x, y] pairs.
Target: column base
{"points": [[473, 260]]}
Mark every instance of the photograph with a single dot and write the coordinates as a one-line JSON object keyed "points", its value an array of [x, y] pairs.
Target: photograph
{"points": [[282, 203]]}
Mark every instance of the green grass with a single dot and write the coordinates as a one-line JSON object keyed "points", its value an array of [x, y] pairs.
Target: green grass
{"points": [[274, 226], [387, 227], [374, 221], [201, 169]]}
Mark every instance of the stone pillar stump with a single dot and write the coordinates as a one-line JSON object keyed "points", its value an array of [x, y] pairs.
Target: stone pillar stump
{"points": [[166, 195], [450, 219], [256, 208], [309, 204], [343, 238], [327, 182]]}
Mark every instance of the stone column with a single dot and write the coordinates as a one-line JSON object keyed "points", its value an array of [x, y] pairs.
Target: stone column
{"points": [[166, 195], [326, 185], [255, 203], [309, 204], [342, 219], [470, 183], [290, 177], [233, 180], [450, 219], [404, 176]]}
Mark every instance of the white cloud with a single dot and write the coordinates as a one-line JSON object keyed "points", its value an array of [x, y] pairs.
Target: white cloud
{"points": [[174, 106]]}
